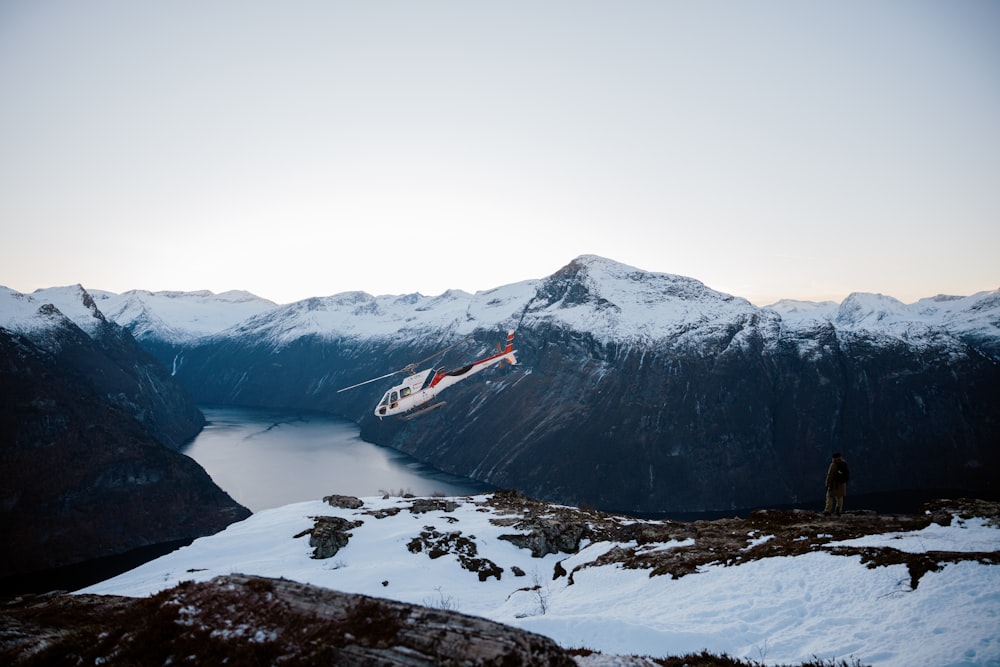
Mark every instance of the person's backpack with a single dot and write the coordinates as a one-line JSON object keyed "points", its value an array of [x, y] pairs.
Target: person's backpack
{"points": [[841, 474]]}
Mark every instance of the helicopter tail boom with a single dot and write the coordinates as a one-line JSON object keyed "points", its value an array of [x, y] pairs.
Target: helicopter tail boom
{"points": [[506, 354]]}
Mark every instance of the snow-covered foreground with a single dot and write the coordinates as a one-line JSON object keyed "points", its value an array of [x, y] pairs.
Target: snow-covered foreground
{"points": [[783, 609]]}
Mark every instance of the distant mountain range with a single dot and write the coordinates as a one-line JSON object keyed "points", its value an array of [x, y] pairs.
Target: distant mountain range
{"points": [[635, 391], [629, 304]]}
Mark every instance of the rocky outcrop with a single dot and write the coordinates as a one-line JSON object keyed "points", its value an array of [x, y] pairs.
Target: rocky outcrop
{"points": [[329, 535], [732, 541], [278, 622], [345, 502]]}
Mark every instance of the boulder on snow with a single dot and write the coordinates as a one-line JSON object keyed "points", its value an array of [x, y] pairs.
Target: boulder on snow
{"points": [[345, 502], [329, 535]]}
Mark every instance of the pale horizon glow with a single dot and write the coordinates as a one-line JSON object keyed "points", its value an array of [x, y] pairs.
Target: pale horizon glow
{"points": [[770, 150]]}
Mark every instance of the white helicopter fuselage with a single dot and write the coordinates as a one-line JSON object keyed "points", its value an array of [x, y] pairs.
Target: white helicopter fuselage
{"points": [[423, 387]]}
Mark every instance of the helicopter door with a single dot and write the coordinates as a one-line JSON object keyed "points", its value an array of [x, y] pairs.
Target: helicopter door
{"points": [[393, 399]]}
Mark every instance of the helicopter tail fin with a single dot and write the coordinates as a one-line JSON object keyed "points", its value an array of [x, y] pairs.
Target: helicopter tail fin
{"points": [[510, 342], [508, 351]]}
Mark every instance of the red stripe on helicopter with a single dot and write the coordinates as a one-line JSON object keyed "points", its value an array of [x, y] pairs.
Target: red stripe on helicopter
{"points": [[465, 369]]}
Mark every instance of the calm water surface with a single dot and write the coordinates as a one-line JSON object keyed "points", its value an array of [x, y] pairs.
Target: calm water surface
{"points": [[269, 458]]}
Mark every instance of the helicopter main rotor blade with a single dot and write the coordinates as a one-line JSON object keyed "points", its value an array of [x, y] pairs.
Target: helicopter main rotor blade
{"points": [[439, 353], [381, 377]]}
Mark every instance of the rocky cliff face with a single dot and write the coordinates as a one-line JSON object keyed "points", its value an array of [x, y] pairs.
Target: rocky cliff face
{"points": [[83, 479], [646, 392], [87, 426], [609, 427], [67, 324]]}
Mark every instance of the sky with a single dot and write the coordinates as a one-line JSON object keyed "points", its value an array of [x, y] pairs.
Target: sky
{"points": [[769, 149]]}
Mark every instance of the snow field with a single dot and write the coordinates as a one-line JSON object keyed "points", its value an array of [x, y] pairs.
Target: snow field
{"points": [[776, 610]]}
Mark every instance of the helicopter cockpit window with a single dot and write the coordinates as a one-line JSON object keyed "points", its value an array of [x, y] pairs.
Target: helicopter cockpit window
{"points": [[393, 397], [385, 399]]}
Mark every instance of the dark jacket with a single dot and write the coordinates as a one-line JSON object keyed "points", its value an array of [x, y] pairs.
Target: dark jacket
{"points": [[833, 486]]}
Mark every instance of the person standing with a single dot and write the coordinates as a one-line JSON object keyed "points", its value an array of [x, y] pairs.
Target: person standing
{"points": [[836, 485]]}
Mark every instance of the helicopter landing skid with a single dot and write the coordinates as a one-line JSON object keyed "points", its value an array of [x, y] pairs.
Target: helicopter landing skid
{"points": [[423, 411]]}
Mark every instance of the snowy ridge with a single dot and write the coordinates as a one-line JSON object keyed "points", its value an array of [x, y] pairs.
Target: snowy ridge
{"points": [[361, 315], [783, 609], [75, 303], [942, 320], [27, 314], [42, 321], [611, 301], [862, 311], [794, 312], [179, 316], [20, 313]]}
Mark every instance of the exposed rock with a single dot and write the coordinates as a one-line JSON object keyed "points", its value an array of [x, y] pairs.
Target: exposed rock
{"points": [[552, 529], [731, 541], [345, 502], [547, 537], [421, 505], [329, 535], [384, 512], [277, 622], [437, 544]]}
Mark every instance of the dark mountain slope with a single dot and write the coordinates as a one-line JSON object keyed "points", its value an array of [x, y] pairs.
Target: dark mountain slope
{"points": [[668, 431], [83, 478], [67, 323]]}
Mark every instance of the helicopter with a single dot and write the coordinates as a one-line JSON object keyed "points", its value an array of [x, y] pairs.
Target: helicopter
{"points": [[421, 387]]}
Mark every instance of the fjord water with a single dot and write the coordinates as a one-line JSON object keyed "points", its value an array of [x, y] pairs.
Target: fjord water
{"points": [[270, 458]]}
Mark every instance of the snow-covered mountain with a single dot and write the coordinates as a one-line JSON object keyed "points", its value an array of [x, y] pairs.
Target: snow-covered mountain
{"points": [[778, 587], [643, 391], [612, 302], [176, 317], [67, 323], [88, 427], [24, 314], [635, 390]]}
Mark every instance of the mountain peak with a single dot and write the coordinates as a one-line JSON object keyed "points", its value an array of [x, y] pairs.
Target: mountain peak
{"points": [[76, 303], [861, 308], [618, 302]]}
